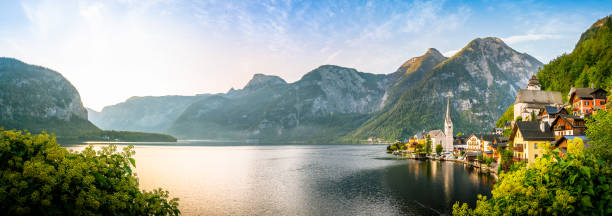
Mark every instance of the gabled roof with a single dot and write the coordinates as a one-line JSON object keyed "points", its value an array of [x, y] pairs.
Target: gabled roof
{"points": [[436, 133], [583, 93], [488, 137], [552, 110], [531, 132], [569, 119], [539, 97]]}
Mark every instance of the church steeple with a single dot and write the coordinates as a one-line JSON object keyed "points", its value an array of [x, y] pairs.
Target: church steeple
{"points": [[448, 129], [448, 117]]}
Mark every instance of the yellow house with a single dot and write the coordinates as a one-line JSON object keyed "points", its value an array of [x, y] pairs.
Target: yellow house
{"points": [[530, 139]]}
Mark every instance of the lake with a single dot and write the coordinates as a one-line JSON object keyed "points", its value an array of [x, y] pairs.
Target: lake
{"points": [[252, 179]]}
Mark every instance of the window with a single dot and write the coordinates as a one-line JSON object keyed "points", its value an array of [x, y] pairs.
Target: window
{"points": [[535, 146], [603, 102], [536, 155], [586, 103]]}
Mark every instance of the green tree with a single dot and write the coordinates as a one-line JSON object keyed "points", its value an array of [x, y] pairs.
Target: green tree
{"points": [[420, 148], [459, 134], [577, 184], [575, 146], [38, 177], [439, 149], [428, 145], [600, 134]]}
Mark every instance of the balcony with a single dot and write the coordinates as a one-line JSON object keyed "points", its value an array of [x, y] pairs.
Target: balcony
{"points": [[518, 148], [516, 159]]}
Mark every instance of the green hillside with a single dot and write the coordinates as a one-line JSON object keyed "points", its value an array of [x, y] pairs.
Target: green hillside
{"points": [[590, 63]]}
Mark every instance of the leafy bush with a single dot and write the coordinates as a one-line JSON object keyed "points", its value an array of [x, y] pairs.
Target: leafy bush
{"points": [[439, 149], [38, 177], [600, 133], [578, 184]]}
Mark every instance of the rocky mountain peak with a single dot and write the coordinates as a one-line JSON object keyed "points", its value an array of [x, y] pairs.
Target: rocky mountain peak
{"points": [[433, 53], [431, 58], [261, 81]]}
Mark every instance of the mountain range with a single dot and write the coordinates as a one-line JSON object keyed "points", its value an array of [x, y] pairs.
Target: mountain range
{"points": [[39, 99], [338, 104]]}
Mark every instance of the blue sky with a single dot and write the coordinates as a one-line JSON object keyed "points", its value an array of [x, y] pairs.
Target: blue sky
{"points": [[114, 49]]}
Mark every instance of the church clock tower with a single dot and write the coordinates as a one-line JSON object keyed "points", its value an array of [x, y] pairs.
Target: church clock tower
{"points": [[448, 129]]}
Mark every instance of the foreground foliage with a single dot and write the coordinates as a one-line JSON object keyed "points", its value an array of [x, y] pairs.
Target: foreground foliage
{"points": [[38, 177], [576, 185]]}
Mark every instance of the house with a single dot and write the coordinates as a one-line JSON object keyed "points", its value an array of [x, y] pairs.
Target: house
{"points": [[486, 144], [587, 100], [550, 113], [473, 143], [499, 143], [565, 125], [508, 125], [498, 131], [534, 101], [529, 140], [531, 101], [460, 144]]}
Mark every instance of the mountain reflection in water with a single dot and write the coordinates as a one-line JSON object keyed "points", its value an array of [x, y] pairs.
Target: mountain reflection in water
{"points": [[218, 179]]}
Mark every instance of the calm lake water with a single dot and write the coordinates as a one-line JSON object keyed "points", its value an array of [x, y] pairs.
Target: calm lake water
{"points": [[248, 179]]}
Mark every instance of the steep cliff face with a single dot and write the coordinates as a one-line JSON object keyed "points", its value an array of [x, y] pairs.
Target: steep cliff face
{"points": [[37, 98], [146, 114], [481, 80]]}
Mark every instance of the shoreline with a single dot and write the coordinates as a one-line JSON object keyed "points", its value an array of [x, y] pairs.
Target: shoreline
{"points": [[481, 168]]}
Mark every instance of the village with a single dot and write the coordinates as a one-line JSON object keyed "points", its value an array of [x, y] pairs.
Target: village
{"points": [[541, 120]]}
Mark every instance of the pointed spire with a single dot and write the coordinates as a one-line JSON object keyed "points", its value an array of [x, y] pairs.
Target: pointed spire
{"points": [[448, 117]]}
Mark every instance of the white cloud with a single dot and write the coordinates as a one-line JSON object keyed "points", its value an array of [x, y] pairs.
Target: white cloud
{"points": [[529, 37], [450, 53]]}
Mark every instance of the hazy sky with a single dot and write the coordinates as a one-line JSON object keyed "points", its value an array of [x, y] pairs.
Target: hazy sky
{"points": [[114, 49]]}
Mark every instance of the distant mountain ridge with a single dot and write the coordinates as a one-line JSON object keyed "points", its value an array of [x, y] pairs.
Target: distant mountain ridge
{"points": [[37, 99], [146, 114], [338, 104]]}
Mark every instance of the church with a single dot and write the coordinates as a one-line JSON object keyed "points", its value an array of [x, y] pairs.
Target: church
{"points": [[443, 138]]}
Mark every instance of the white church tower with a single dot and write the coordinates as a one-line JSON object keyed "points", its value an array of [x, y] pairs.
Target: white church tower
{"points": [[448, 129]]}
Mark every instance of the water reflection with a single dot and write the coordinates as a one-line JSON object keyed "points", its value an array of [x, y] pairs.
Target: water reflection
{"points": [[304, 180]]}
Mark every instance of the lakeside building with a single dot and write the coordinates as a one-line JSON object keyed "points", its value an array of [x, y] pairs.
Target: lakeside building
{"points": [[446, 138], [565, 125], [486, 144], [437, 138], [585, 101], [460, 144], [550, 113], [529, 140], [473, 147], [448, 129], [531, 101], [499, 143]]}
